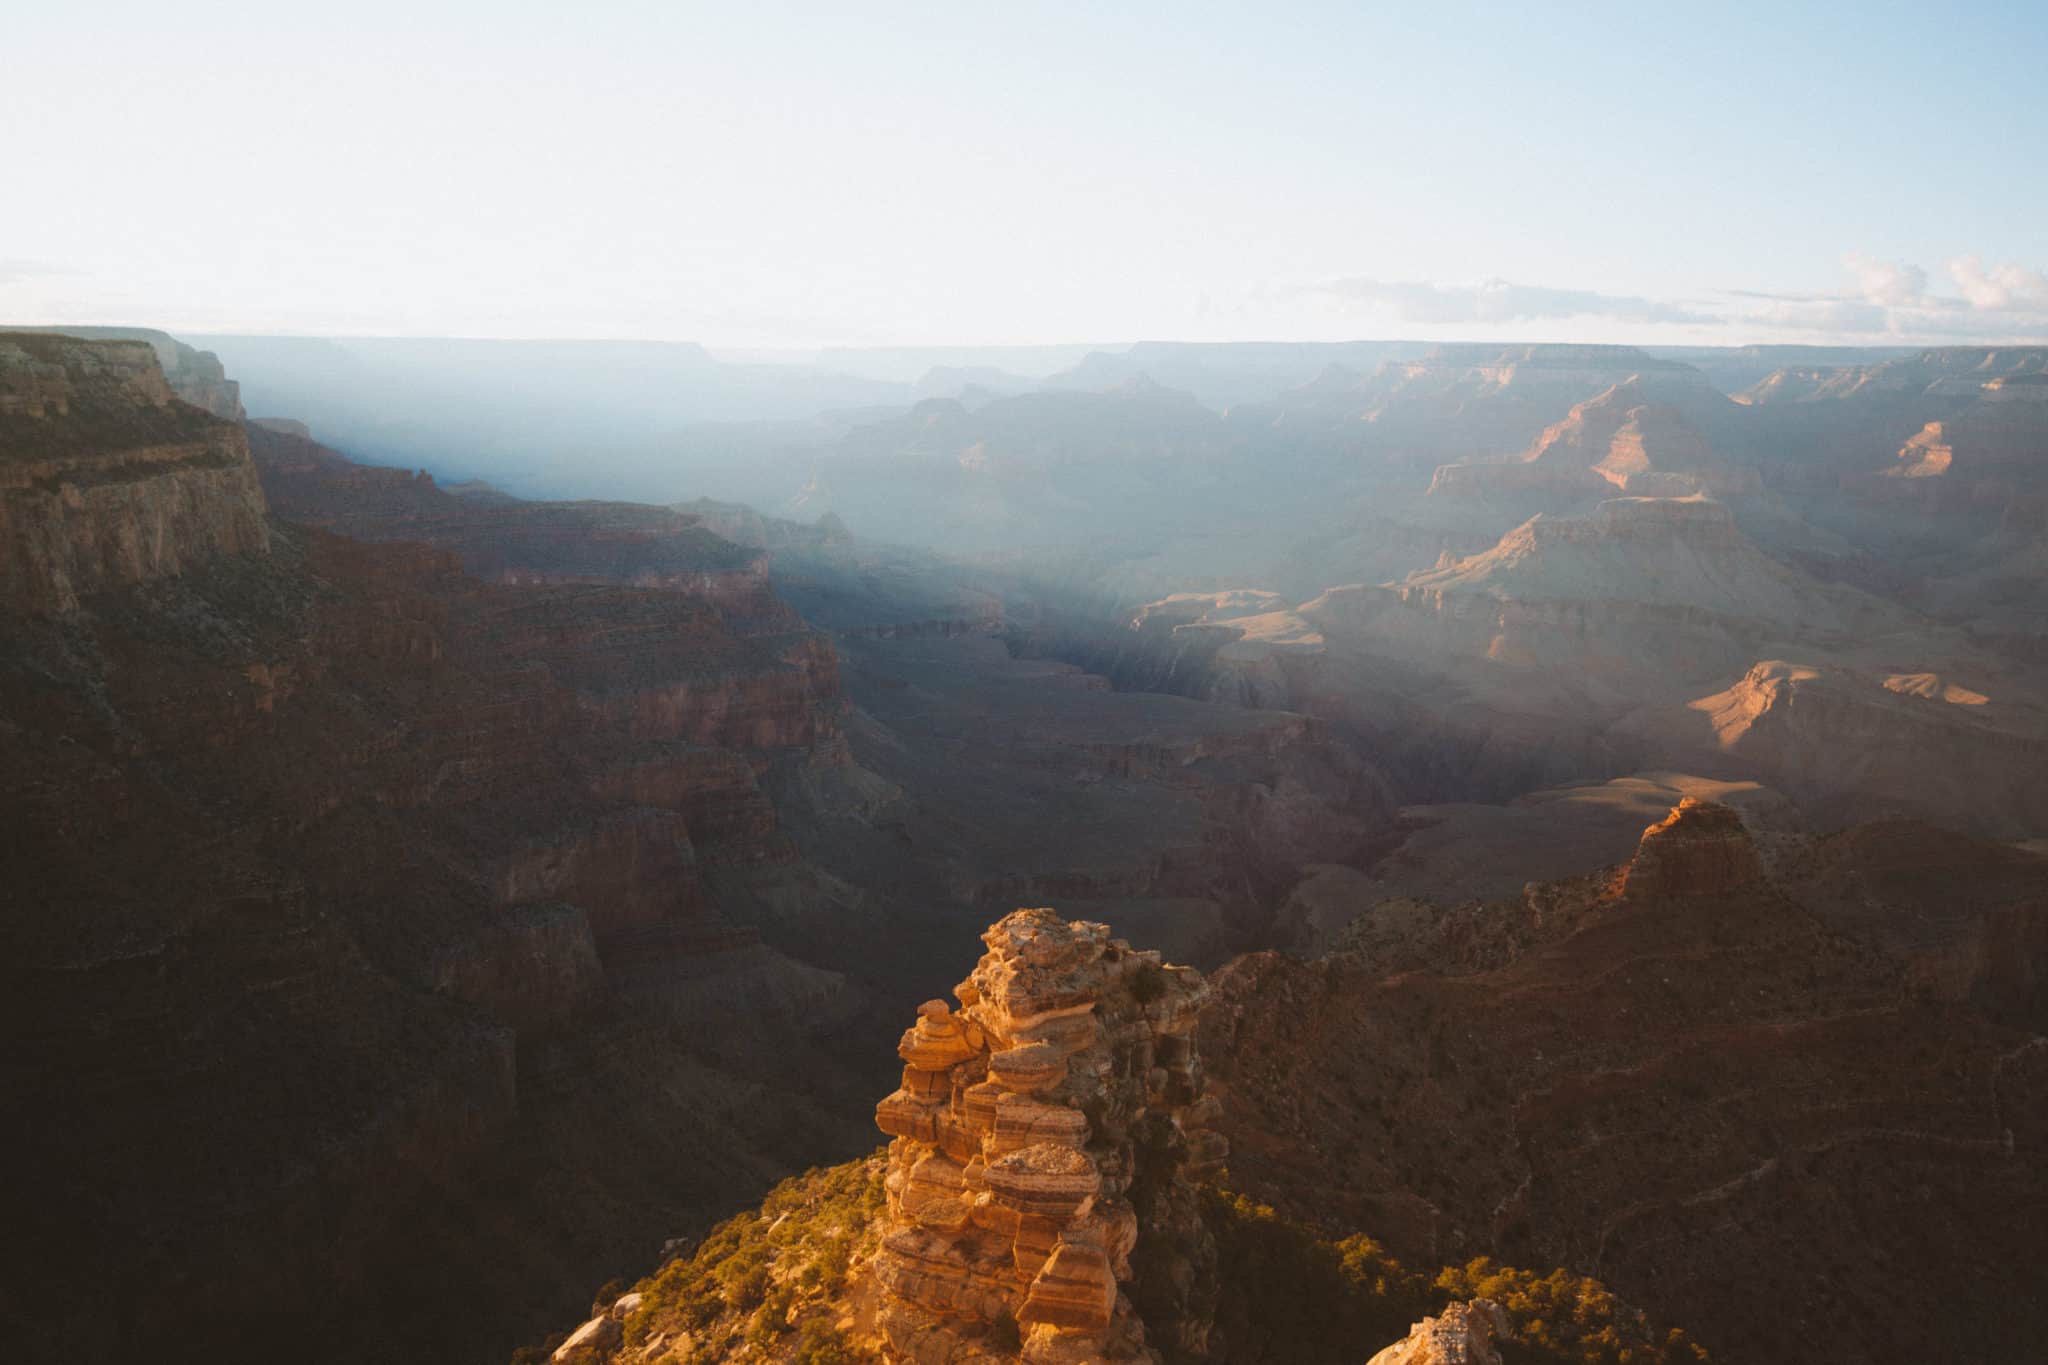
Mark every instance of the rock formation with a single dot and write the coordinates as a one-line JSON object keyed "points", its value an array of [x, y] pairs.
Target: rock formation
{"points": [[106, 477], [1463, 1335], [1861, 743], [195, 376], [1029, 1124], [1700, 849]]}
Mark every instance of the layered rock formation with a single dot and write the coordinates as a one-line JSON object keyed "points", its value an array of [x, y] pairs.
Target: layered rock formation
{"points": [[106, 477], [1647, 436], [1033, 1129], [1456, 402], [510, 540], [1849, 741], [195, 376]]}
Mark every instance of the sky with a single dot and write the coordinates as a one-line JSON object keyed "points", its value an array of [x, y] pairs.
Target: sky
{"points": [[781, 175]]}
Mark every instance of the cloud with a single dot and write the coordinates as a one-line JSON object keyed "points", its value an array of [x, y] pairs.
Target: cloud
{"points": [[2008, 288], [1893, 298], [1496, 301], [1893, 284]]}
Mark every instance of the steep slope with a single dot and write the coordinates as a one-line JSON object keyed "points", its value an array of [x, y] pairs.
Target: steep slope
{"points": [[351, 893], [336, 896], [1780, 1088]]}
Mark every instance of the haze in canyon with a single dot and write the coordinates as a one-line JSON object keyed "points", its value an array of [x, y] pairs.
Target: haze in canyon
{"points": [[639, 726]]}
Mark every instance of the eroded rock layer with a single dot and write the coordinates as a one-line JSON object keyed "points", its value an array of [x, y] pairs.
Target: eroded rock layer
{"points": [[107, 478], [1030, 1127]]}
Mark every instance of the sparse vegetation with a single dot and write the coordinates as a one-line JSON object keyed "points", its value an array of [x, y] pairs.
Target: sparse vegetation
{"points": [[769, 1273], [769, 1283], [1290, 1294]]}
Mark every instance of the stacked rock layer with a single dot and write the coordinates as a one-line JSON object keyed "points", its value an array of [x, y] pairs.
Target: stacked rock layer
{"points": [[1067, 1077]]}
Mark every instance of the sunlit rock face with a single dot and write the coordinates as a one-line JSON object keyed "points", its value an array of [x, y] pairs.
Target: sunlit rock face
{"points": [[108, 478], [1464, 1334], [1047, 1137]]}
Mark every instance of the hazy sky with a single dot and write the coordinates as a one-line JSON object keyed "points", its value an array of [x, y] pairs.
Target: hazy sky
{"points": [[763, 174]]}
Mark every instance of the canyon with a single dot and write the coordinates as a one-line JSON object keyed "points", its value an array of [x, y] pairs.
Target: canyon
{"points": [[1598, 786]]}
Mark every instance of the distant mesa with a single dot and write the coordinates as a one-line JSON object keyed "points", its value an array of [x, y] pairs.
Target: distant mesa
{"points": [[1933, 687]]}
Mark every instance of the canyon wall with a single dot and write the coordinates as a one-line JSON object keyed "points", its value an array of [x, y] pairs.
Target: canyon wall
{"points": [[106, 477]]}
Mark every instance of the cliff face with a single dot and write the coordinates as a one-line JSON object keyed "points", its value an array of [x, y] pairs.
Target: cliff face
{"points": [[195, 376], [1749, 1080], [509, 540], [335, 870], [106, 477]]}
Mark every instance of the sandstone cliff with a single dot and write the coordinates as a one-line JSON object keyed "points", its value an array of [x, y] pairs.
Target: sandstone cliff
{"points": [[106, 477]]}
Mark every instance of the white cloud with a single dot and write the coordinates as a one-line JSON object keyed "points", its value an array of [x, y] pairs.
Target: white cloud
{"points": [[1890, 283], [2006, 288], [1892, 298], [1498, 301]]}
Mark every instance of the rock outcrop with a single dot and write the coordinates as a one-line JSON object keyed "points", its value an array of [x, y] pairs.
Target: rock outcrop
{"points": [[1463, 1334], [1700, 849], [106, 477], [195, 376], [1030, 1128]]}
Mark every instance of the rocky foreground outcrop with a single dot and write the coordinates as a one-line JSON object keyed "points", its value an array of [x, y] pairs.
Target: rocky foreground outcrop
{"points": [[1463, 1335], [107, 478], [1053, 1195], [1029, 1129]]}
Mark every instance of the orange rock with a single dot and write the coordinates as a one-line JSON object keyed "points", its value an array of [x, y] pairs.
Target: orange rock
{"points": [[1075, 1290]]}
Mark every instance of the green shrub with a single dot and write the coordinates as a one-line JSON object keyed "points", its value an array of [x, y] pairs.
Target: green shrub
{"points": [[821, 1343]]}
